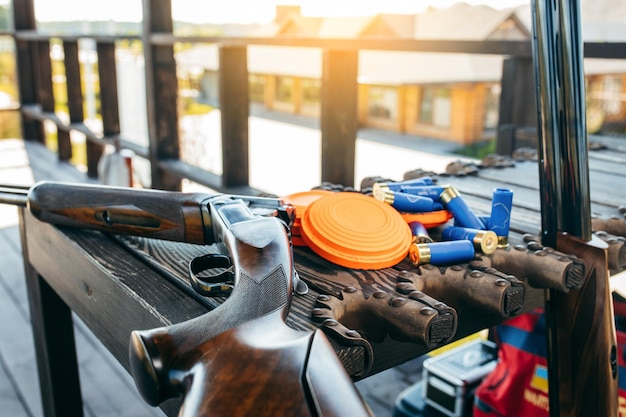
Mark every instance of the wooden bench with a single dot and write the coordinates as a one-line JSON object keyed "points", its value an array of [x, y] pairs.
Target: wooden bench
{"points": [[119, 284]]}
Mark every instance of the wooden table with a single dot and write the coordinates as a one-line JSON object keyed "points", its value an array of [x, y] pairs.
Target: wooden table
{"points": [[120, 284]]}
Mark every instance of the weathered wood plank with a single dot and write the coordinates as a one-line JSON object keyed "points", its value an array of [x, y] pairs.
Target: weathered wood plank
{"points": [[524, 180], [11, 403]]}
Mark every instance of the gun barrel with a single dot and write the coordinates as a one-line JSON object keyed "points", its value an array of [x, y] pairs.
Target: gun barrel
{"points": [[564, 171], [15, 195]]}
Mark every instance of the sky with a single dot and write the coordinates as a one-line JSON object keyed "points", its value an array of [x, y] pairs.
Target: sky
{"points": [[237, 11]]}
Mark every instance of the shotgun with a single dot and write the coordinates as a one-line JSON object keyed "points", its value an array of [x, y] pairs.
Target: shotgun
{"points": [[237, 360], [582, 349]]}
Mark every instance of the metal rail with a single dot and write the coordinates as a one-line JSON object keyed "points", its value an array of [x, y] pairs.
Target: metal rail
{"points": [[15, 195]]}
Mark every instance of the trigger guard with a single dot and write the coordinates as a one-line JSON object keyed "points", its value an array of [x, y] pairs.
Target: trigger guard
{"points": [[220, 285]]}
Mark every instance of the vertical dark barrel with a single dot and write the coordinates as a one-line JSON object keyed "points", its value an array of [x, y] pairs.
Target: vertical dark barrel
{"points": [[582, 363], [562, 130]]}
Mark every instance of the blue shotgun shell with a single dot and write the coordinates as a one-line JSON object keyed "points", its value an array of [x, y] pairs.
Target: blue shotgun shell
{"points": [[499, 222], [408, 202], [486, 221], [463, 215], [430, 191], [485, 241], [420, 233], [441, 253], [379, 188], [397, 186]]}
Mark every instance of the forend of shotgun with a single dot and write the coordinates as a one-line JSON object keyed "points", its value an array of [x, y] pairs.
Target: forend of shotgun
{"points": [[167, 215]]}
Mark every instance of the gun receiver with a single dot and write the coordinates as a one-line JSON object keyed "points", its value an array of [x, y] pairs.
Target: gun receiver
{"points": [[241, 358]]}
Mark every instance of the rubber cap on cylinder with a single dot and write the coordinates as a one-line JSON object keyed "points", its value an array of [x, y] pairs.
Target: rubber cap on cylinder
{"points": [[356, 231]]}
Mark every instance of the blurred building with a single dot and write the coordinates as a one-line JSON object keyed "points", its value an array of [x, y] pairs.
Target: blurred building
{"points": [[446, 96]]}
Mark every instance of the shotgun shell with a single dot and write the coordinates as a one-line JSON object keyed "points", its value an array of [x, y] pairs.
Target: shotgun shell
{"points": [[419, 232], [463, 215], [441, 253], [430, 191], [397, 186], [409, 202], [485, 241], [486, 221], [501, 205], [425, 190]]}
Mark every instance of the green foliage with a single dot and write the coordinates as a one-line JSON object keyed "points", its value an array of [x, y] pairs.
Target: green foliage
{"points": [[194, 108], [478, 150], [5, 18], [10, 125]]}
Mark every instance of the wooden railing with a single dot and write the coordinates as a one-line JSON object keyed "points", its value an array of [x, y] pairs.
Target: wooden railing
{"points": [[338, 120]]}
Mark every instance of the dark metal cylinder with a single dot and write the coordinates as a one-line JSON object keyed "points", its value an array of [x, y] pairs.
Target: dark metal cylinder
{"points": [[562, 132]]}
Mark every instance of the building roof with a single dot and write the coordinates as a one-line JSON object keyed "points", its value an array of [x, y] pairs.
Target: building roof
{"points": [[398, 25], [343, 27], [463, 21]]}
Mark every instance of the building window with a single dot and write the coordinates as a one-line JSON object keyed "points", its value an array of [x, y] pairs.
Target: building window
{"points": [[492, 106], [284, 89], [383, 102], [612, 96], [257, 88], [435, 107], [311, 91]]}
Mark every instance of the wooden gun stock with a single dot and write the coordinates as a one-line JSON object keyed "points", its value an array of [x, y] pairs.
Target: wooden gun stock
{"points": [[241, 359], [584, 336], [261, 368]]}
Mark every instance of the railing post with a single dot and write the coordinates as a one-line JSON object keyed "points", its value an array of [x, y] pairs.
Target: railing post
{"points": [[161, 93], [517, 100], [235, 110], [74, 96], [43, 81], [24, 19], [109, 105], [339, 118]]}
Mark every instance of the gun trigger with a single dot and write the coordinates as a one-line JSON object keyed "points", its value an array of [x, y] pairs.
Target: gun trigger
{"points": [[301, 288], [211, 275]]}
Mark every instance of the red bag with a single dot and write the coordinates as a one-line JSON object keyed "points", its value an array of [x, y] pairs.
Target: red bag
{"points": [[518, 387]]}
